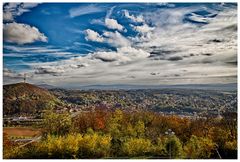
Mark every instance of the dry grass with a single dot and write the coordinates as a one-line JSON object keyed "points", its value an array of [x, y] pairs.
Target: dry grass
{"points": [[22, 131]]}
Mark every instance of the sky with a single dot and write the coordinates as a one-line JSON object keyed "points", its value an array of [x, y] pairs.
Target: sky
{"points": [[76, 44]]}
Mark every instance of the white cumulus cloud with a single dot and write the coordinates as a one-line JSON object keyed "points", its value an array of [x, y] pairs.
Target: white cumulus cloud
{"points": [[93, 36], [22, 33], [138, 18], [12, 10], [123, 54], [116, 39], [110, 56], [113, 24], [133, 53], [143, 28]]}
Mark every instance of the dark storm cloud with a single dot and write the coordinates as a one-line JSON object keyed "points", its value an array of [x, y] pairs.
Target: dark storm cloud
{"points": [[232, 62], [175, 58], [216, 40], [49, 70], [207, 54]]}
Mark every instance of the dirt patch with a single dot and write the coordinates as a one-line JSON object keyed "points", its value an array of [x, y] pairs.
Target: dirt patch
{"points": [[30, 132]]}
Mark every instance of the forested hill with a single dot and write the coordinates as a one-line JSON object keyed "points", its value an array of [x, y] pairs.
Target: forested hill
{"points": [[25, 98]]}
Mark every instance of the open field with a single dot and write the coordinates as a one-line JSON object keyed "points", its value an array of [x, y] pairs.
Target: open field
{"points": [[21, 131]]}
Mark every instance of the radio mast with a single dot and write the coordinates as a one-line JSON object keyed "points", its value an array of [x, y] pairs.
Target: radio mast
{"points": [[24, 78]]}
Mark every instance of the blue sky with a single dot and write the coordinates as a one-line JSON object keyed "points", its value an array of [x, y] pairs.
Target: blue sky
{"points": [[72, 44]]}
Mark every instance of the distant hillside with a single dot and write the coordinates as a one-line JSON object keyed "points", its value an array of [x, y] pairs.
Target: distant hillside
{"points": [[24, 98], [221, 87], [46, 86]]}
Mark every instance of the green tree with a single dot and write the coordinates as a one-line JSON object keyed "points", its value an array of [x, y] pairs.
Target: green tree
{"points": [[114, 124], [94, 146], [159, 148], [174, 147], [140, 129], [199, 147], [57, 124], [115, 127], [130, 132], [133, 147]]}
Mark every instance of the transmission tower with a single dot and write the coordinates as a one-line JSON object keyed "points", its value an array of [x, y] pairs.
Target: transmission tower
{"points": [[24, 78]]}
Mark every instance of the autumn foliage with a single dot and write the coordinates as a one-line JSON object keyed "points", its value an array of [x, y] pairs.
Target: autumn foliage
{"points": [[119, 134]]}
